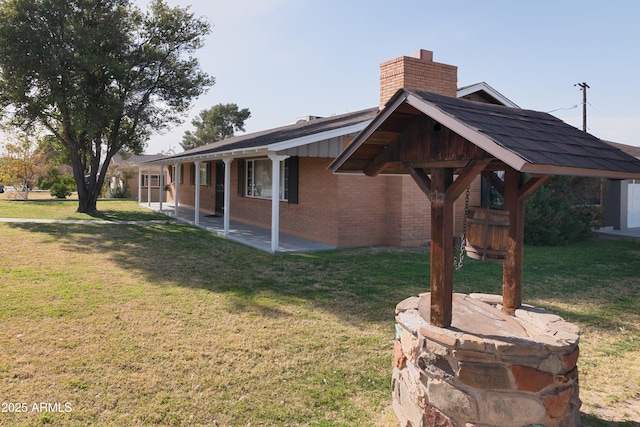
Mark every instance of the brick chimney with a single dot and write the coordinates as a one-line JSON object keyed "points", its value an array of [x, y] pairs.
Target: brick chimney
{"points": [[417, 72]]}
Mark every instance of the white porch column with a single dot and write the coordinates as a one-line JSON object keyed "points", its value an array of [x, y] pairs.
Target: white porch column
{"points": [[149, 187], [139, 185], [161, 183], [227, 193], [197, 207], [176, 183], [275, 200]]}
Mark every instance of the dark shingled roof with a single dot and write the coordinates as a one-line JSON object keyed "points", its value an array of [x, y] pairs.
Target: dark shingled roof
{"points": [[268, 137], [526, 140], [629, 149]]}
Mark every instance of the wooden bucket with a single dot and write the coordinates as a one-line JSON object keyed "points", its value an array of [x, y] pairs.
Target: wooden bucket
{"points": [[487, 233]]}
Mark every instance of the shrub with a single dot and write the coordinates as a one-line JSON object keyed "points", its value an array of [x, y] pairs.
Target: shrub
{"points": [[117, 192], [54, 176], [60, 190], [562, 211]]}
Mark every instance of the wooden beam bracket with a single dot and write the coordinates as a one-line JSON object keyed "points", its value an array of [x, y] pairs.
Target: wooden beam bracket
{"points": [[420, 177], [532, 185], [466, 177], [495, 181]]}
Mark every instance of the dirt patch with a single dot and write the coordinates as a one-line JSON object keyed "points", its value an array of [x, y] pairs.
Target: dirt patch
{"points": [[595, 405]]}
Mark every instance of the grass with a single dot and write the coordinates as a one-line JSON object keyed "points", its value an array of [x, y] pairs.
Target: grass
{"points": [[42, 208], [166, 324]]}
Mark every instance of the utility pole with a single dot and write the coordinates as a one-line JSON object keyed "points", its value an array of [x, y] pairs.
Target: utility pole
{"points": [[584, 87]]}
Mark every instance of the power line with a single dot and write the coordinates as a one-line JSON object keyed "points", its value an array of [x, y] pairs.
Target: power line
{"points": [[558, 109]]}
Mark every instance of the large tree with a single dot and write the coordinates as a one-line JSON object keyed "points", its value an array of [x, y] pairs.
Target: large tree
{"points": [[100, 75], [215, 124]]}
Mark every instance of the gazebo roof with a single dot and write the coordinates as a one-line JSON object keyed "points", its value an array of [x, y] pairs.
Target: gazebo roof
{"points": [[528, 141]]}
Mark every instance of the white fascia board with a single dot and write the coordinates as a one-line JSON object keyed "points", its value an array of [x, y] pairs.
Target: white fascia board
{"points": [[316, 137], [258, 151], [482, 86], [276, 147], [470, 134]]}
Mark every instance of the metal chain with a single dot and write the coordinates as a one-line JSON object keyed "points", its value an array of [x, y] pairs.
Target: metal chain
{"points": [[459, 261]]}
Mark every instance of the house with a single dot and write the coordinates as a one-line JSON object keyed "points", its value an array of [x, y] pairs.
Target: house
{"points": [[143, 183], [622, 197], [237, 177]]}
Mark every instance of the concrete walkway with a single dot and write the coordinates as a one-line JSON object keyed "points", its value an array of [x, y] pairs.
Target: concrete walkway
{"points": [[250, 235], [247, 234], [631, 233]]}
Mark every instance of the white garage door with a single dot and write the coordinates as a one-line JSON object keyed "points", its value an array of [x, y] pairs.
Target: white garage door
{"points": [[633, 214]]}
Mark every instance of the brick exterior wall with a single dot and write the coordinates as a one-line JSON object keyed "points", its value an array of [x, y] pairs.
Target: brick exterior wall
{"points": [[361, 220], [335, 209]]}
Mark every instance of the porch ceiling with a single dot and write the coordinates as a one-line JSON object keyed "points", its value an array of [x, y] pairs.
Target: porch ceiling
{"points": [[420, 129]]}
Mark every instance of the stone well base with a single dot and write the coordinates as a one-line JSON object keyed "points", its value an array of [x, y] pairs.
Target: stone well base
{"points": [[487, 369]]}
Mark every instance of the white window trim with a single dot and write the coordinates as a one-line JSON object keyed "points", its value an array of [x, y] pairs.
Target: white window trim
{"points": [[151, 178], [250, 193], [204, 176]]}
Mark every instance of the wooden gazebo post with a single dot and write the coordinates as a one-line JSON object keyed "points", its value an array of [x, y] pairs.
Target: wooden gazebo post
{"points": [[443, 191], [516, 191], [441, 274]]}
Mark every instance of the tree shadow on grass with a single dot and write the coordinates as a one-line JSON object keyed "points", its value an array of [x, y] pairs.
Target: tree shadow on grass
{"points": [[594, 421], [129, 215]]}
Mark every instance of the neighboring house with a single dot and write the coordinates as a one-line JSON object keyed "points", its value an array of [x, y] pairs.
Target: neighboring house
{"points": [[236, 177], [144, 183], [622, 198]]}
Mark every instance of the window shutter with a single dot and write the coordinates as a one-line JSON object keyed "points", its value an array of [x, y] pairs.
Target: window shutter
{"points": [[241, 177], [192, 174], [208, 173], [293, 179]]}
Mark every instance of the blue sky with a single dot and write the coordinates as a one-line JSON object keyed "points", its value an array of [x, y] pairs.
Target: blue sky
{"points": [[284, 59]]}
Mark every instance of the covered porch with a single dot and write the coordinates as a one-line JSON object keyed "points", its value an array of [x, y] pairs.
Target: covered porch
{"points": [[246, 234]]}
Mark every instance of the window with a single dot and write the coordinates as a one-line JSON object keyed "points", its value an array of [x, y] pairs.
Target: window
{"points": [[151, 180], [252, 181], [205, 173], [259, 173], [179, 177]]}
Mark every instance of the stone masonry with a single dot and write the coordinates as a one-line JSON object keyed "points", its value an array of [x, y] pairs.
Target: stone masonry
{"points": [[487, 369]]}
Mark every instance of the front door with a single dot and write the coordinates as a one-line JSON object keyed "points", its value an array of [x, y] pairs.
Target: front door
{"points": [[219, 187]]}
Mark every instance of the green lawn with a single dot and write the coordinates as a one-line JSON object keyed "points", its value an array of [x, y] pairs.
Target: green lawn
{"points": [[66, 210], [166, 324]]}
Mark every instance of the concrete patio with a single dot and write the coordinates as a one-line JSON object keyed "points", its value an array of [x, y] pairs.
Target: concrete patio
{"points": [[247, 234]]}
